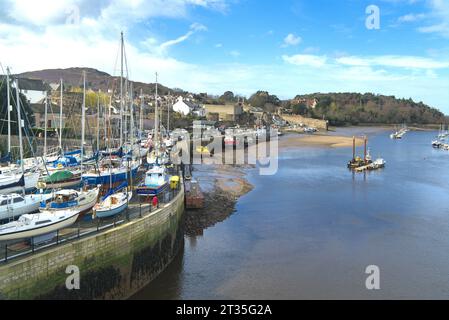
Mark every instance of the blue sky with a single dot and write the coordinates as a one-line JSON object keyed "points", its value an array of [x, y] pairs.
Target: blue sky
{"points": [[286, 47]]}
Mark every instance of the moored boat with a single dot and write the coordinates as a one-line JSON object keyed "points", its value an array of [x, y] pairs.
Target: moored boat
{"points": [[15, 205], [32, 225], [83, 201], [113, 203], [156, 181]]}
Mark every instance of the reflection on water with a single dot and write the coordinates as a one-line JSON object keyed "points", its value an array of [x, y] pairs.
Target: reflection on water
{"points": [[311, 230]]}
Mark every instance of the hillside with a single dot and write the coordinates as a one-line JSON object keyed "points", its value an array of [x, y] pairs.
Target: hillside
{"points": [[95, 79], [355, 108]]}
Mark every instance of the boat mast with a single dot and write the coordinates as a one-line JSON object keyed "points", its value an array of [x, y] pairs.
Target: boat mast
{"points": [[60, 115], [8, 102], [45, 126], [83, 116], [131, 110], [19, 126], [156, 121], [168, 115], [141, 114], [121, 90], [131, 134], [98, 121]]}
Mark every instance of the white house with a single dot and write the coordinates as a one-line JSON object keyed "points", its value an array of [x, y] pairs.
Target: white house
{"points": [[34, 90], [183, 107]]}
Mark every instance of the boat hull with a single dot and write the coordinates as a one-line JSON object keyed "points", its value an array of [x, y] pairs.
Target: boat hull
{"points": [[151, 191], [15, 185], [29, 206], [23, 234], [104, 179]]}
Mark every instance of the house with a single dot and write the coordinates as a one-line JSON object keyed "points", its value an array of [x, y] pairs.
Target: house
{"points": [[309, 103], [224, 112], [183, 106], [53, 116], [34, 90]]}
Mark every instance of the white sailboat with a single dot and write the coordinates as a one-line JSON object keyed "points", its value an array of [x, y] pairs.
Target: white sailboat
{"points": [[32, 225], [15, 205], [14, 181], [113, 204], [83, 201]]}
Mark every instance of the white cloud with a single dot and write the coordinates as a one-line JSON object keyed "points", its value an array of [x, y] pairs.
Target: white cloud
{"points": [[235, 53], [411, 17], [306, 60], [410, 62], [291, 40]]}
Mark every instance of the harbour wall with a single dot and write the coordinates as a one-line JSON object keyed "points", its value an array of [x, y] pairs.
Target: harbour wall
{"points": [[114, 264], [316, 123]]}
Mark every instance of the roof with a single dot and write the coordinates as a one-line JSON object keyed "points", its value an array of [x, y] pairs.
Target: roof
{"points": [[33, 84], [66, 192], [40, 108]]}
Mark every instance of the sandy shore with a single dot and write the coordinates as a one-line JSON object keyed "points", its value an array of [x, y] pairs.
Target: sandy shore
{"points": [[318, 140]]}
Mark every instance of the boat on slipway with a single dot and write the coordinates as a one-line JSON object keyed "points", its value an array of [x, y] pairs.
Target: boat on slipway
{"points": [[83, 201], [32, 225], [111, 171], [113, 203], [14, 205], [16, 182], [156, 182], [60, 179]]}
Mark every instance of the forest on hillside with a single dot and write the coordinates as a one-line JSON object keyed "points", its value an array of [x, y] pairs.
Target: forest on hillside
{"points": [[355, 108]]}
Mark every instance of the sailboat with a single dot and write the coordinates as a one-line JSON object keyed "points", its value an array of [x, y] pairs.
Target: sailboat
{"points": [[13, 180], [83, 201], [114, 202], [32, 225], [15, 205]]}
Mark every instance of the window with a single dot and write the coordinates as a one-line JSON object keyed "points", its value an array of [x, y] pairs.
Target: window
{"points": [[42, 222], [4, 203], [17, 200]]}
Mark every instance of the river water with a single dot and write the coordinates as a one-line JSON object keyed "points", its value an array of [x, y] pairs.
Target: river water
{"points": [[310, 231]]}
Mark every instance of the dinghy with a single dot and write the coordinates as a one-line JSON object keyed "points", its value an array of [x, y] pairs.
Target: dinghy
{"points": [[32, 225]]}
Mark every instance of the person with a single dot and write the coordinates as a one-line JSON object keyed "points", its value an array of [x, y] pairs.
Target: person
{"points": [[155, 202]]}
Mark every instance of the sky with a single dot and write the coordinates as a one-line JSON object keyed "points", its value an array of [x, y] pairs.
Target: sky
{"points": [[288, 47]]}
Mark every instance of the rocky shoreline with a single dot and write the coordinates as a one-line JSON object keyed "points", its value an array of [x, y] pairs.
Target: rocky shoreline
{"points": [[222, 187]]}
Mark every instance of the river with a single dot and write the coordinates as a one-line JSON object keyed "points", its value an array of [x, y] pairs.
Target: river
{"points": [[310, 231]]}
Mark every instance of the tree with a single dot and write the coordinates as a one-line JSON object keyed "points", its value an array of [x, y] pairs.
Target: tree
{"points": [[27, 112], [227, 97], [300, 109], [262, 99]]}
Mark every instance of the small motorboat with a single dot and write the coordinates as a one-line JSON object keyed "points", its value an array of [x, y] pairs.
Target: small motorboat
{"points": [[32, 225], [379, 163], [114, 203], [14, 205], [156, 181]]}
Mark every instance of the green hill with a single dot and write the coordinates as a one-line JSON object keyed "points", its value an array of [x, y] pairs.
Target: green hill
{"points": [[355, 108]]}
